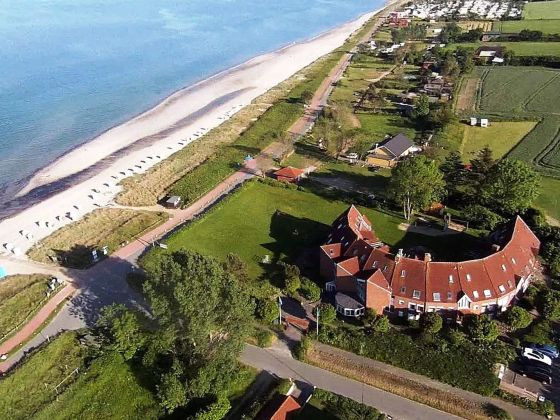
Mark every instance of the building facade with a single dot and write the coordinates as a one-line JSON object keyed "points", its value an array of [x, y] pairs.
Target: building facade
{"points": [[363, 273]]}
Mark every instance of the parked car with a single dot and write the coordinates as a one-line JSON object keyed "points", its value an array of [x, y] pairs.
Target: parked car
{"points": [[352, 156], [542, 373], [546, 349], [529, 353]]}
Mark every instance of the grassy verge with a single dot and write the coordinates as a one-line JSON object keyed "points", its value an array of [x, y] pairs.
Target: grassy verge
{"points": [[21, 296], [420, 392], [74, 243], [31, 386]]}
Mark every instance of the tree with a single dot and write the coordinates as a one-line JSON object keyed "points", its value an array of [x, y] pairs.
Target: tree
{"points": [[216, 411], [481, 165], [124, 328], [369, 316], [454, 172], [416, 183], [516, 317], [292, 280], [431, 322], [450, 67], [511, 186], [550, 305], [381, 324], [481, 328], [306, 96], [267, 310], [481, 217], [327, 313], [204, 316], [422, 107], [309, 290], [236, 266]]}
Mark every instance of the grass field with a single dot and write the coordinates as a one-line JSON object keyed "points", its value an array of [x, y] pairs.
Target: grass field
{"points": [[542, 10], [20, 297], [518, 48], [30, 387], [107, 227], [546, 26], [500, 136], [261, 220], [549, 199]]}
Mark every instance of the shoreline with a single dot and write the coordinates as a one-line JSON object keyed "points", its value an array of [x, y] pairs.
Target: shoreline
{"points": [[43, 176], [77, 189]]}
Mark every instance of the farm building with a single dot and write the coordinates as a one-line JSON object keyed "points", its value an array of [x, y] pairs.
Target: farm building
{"points": [[363, 273], [489, 54], [388, 153]]}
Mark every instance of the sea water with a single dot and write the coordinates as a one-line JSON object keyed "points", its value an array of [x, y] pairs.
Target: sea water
{"points": [[71, 69]]}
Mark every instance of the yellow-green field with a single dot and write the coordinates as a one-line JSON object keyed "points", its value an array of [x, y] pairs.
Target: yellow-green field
{"points": [[500, 136], [546, 26], [542, 10]]}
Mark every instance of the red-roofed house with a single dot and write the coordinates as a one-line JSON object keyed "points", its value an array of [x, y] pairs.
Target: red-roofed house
{"points": [[364, 274], [280, 408], [289, 174]]}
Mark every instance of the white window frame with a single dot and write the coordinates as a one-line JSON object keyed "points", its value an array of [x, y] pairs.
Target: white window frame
{"points": [[416, 294], [487, 293], [436, 296], [475, 294]]}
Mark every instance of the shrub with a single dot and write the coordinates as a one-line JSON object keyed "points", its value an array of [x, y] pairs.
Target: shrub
{"points": [[369, 316], [267, 310], [301, 348], [264, 338], [284, 386], [549, 305], [431, 322], [381, 324], [496, 412], [516, 317], [327, 313], [309, 290], [481, 328], [480, 217], [540, 333]]}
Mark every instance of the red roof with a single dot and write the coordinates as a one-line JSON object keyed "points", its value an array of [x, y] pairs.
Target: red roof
{"points": [[286, 408], [443, 279], [409, 276], [289, 172]]}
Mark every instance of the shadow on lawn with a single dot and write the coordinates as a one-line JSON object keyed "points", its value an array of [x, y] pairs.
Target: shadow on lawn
{"points": [[372, 182]]}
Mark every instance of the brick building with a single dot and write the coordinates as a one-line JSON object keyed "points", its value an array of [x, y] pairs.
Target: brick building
{"points": [[363, 273]]}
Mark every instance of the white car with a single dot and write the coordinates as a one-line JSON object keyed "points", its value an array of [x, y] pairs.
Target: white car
{"points": [[532, 354], [352, 156]]}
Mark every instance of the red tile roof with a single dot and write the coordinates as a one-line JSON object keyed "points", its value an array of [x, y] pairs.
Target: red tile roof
{"points": [[280, 408], [289, 172], [409, 276], [443, 279]]}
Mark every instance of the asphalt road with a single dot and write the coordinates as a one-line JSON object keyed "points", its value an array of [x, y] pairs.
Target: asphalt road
{"points": [[284, 366]]}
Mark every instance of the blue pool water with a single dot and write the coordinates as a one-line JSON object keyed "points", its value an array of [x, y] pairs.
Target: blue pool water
{"points": [[70, 69]]}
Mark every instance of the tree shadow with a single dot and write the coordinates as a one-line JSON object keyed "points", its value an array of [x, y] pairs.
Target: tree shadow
{"points": [[79, 256], [371, 182], [246, 149]]}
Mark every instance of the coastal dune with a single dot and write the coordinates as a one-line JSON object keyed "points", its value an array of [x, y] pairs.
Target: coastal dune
{"points": [[180, 119]]}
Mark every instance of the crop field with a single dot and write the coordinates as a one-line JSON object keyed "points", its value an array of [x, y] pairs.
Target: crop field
{"points": [[518, 48], [469, 25], [542, 10], [546, 26]]}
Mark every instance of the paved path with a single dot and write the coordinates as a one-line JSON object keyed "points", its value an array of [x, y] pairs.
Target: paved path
{"points": [[286, 367]]}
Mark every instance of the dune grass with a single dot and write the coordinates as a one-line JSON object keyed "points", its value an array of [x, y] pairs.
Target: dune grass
{"points": [[105, 227], [21, 296]]}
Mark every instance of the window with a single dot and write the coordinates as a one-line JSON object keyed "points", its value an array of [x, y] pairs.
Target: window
{"points": [[451, 278], [475, 294], [510, 284], [416, 294], [375, 264], [346, 244], [401, 302], [468, 277], [449, 296], [403, 273], [401, 313], [348, 312], [503, 267], [341, 239], [403, 289], [431, 309], [363, 258], [513, 260], [412, 306], [487, 293], [385, 268], [437, 297], [502, 288], [355, 252]]}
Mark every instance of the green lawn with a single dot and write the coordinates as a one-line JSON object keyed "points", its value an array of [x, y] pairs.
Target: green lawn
{"points": [[264, 220], [109, 389], [500, 136], [20, 297], [518, 48], [542, 10], [549, 199], [546, 26], [378, 126]]}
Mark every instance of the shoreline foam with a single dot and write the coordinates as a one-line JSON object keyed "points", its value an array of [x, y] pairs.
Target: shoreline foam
{"points": [[179, 119]]}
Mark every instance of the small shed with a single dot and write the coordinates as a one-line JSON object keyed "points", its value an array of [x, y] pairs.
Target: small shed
{"points": [[473, 121], [289, 174], [172, 202], [484, 122]]}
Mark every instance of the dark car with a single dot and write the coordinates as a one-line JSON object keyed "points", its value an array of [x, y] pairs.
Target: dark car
{"points": [[539, 372], [547, 349]]}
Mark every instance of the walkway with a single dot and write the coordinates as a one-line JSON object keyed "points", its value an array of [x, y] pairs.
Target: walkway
{"points": [[285, 366]]}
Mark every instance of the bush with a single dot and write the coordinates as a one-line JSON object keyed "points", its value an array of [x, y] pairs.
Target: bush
{"points": [[540, 333], [481, 328], [482, 218], [309, 290], [496, 412], [381, 324], [267, 310], [327, 313], [549, 305], [301, 348], [431, 322], [516, 317], [284, 386], [264, 338]]}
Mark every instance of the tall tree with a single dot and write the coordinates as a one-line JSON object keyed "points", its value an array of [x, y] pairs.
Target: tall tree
{"points": [[416, 183], [511, 186], [454, 172], [422, 107], [203, 315], [481, 165], [451, 66]]}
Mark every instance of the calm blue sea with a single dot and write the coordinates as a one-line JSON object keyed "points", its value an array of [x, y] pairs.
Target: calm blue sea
{"points": [[70, 69]]}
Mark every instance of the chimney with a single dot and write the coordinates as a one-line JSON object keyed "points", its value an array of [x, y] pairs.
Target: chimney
{"points": [[427, 257], [495, 248]]}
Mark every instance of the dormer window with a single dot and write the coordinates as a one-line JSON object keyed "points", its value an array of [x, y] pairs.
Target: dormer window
{"points": [[510, 284], [487, 293], [502, 288], [449, 296], [451, 278], [475, 294], [513, 260], [329, 241], [375, 264], [416, 294], [385, 268], [403, 273], [339, 226], [437, 297], [468, 277], [403, 289], [503, 267]]}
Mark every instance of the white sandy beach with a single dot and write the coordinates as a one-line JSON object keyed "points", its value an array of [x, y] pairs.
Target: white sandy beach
{"points": [[191, 112]]}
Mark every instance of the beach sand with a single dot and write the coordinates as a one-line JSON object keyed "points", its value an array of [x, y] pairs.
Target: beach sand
{"points": [[181, 118]]}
